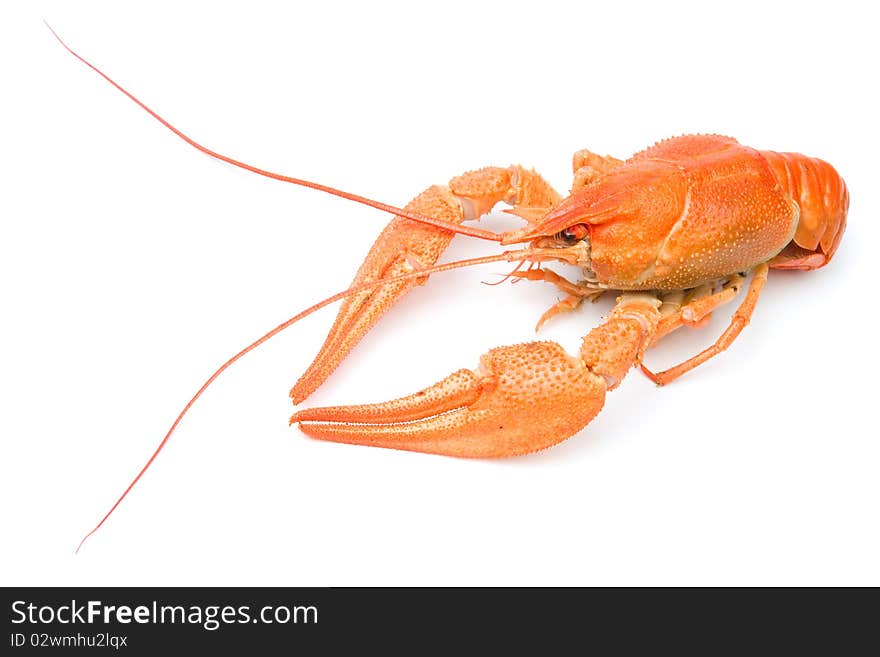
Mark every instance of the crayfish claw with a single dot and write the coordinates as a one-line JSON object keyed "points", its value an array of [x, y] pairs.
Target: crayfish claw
{"points": [[521, 399]]}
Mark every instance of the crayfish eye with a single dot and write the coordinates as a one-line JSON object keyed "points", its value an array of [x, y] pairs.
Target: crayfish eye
{"points": [[574, 233]]}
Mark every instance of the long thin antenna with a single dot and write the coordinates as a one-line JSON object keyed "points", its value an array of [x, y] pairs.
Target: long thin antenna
{"points": [[415, 216], [508, 256]]}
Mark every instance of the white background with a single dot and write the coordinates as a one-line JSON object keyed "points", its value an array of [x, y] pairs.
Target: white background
{"points": [[133, 265]]}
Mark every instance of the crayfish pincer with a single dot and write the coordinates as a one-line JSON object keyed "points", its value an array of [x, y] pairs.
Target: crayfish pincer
{"points": [[522, 398]]}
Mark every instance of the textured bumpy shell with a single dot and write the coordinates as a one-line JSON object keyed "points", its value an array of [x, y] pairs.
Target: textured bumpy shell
{"points": [[722, 212], [697, 208]]}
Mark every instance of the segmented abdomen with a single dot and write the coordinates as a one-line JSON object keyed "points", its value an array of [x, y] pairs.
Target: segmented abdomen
{"points": [[823, 199]]}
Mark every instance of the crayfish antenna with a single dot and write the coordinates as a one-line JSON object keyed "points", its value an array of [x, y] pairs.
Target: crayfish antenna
{"points": [[507, 277], [415, 216], [507, 256]]}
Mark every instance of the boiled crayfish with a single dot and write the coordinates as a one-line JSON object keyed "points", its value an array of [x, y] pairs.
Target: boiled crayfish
{"points": [[675, 229]]}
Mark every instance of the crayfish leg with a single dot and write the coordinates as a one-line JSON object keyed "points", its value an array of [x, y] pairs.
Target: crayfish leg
{"points": [[575, 293], [589, 167], [738, 322]]}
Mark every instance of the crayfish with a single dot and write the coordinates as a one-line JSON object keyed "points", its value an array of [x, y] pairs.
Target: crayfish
{"points": [[675, 230]]}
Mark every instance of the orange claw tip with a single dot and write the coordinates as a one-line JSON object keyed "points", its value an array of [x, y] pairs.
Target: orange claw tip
{"points": [[522, 399], [456, 390]]}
